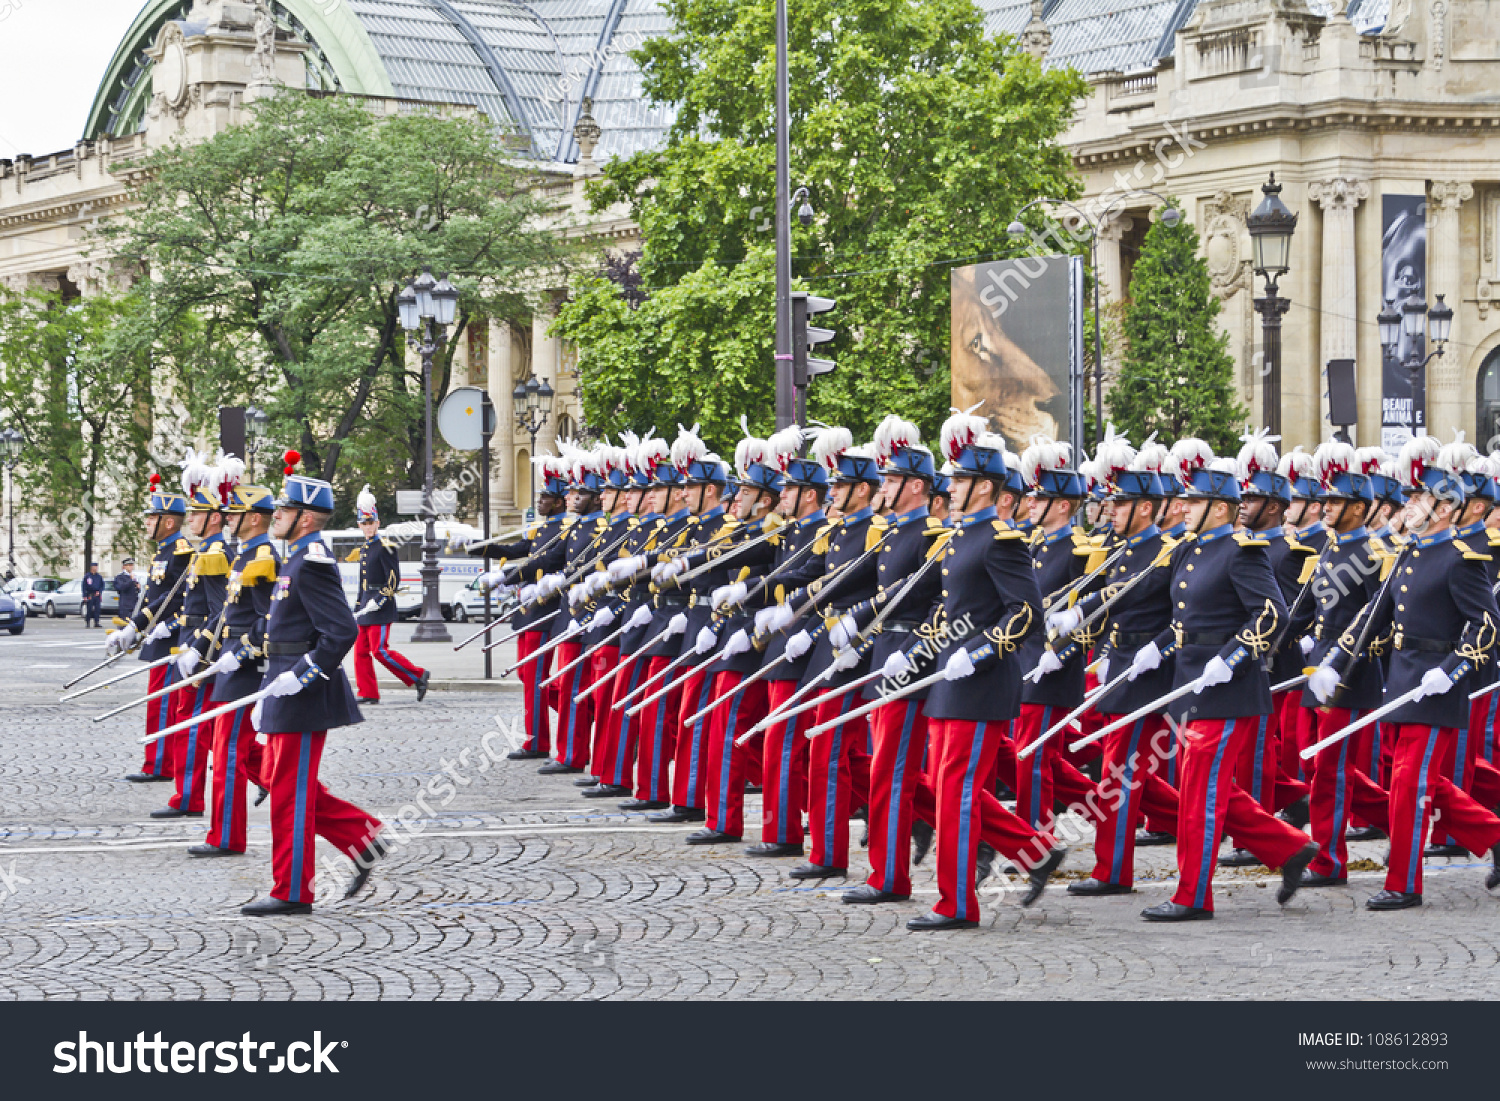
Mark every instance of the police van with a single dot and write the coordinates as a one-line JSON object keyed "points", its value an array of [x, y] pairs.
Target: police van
{"points": [[458, 568]]}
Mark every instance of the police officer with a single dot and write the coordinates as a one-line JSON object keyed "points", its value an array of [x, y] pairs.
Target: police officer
{"points": [[238, 757], [93, 595], [309, 632], [159, 606], [379, 579], [128, 589]]}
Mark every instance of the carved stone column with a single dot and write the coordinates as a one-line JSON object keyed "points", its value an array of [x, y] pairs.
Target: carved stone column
{"points": [[501, 383], [1447, 408], [1338, 319], [1111, 272]]}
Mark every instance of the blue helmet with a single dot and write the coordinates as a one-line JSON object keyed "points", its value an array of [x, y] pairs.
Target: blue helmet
{"points": [[300, 491], [1267, 483], [806, 473], [1219, 485], [1137, 484], [763, 477], [855, 466], [1348, 485]]}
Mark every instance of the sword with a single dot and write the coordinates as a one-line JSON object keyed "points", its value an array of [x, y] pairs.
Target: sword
{"points": [[207, 716], [1068, 719], [1111, 601], [495, 539], [557, 676], [1374, 716], [912, 689], [1078, 583], [486, 629], [638, 708], [160, 692], [1139, 713], [518, 632], [1288, 685], [573, 628], [787, 711], [146, 630], [727, 548], [117, 678], [1485, 691], [663, 671], [601, 682]]}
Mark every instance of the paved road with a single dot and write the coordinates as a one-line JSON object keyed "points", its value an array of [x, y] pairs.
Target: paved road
{"points": [[517, 888]]}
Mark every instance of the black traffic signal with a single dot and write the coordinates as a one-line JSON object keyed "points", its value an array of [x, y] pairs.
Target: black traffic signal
{"points": [[805, 337]]}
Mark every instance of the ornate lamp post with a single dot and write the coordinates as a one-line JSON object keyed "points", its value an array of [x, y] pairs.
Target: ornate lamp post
{"points": [[12, 443], [533, 402], [1409, 322], [1271, 225], [257, 421], [428, 305]]}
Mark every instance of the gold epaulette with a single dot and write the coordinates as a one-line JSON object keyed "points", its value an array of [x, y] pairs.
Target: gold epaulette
{"points": [[182, 546], [936, 526], [773, 521], [1471, 555], [824, 534], [875, 532], [1309, 567], [1004, 529], [1493, 536], [941, 539], [1387, 562], [570, 519], [352, 556], [262, 568], [1298, 548], [213, 564], [388, 544], [1245, 539]]}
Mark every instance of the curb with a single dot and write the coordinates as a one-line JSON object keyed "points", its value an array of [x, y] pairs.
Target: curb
{"points": [[499, 686]]}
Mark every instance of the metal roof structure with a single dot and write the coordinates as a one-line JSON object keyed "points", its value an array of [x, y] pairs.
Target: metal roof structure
{"points": [[529, 66]]}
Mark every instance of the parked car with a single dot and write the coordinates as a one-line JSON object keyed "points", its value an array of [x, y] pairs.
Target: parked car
{"points": [[32, 592], [468, 603], [68, 599], [12, 615]]}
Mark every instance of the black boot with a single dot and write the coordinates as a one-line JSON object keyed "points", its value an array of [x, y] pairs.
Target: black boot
{"points": [[674, 815], [935, 922], [261, 795], [864, 894], [1145, 839], [1239, 858], [1297, 814], [1291, 872], [1392, 900], [1445, 850], [1171, 911], [773, 848], [984, 863], [711, 837], [605, 791], [816, 871], [1364, 833], [1092, 888], [1492, 880], [1041, 873], [274, 907], [422, 684], [921, 840], [364, 863]]}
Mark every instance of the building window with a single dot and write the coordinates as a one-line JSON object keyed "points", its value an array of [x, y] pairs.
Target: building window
{"points": [[1488, 436], [567, 428]]}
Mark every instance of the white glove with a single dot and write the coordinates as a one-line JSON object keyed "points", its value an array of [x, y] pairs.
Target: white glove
{"points": [[1101, 671], [656, 571], [797, 645], [1050, 663], [676, 625], [780, 616], [706, 640], [602, 618], [527, 594], [716, 598], [674, 567], [123, 639], [762, 617], [639, 618], [619, 570], [549, 584], [959, 666], [845, 659], [738, 643], [491, 580], [842, 633], [573, 628], [227, 663], [736, 593], [1217, 671], [577, 594], [370, 606], [595, 582], [1435, 682], [255, 713], [1147, 658], [187, 661], [159, 632], [1307, 643], [1323, 680], [285, 685], [1065, 621], [896, 665]]}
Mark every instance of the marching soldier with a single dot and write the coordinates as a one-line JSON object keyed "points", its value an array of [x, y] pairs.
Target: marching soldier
{"points": [[379, 579], [1303, 525], [159, 607], [1226, 609], [201, 625], [309, 632], [238, 757]]}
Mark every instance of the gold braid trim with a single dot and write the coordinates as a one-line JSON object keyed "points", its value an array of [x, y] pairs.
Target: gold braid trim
{"points": [[1257, 637], [1007, 636], [1484, 641]]}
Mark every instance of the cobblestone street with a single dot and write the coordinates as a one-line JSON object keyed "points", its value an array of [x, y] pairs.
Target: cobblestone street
{"points": [[520, 889]]}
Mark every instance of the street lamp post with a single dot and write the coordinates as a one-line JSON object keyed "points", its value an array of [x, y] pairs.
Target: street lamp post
{"points": [[1170, 216], [12, 443], [256, 423], [533, 402], [1409, 322], [1271, 226], [430, 305]]}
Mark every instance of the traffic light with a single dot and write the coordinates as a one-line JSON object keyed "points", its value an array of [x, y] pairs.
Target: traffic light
{"points": [[807, 337]]}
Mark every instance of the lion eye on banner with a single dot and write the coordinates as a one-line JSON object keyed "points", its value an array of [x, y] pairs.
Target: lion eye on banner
{"points": [[1017, 346]]}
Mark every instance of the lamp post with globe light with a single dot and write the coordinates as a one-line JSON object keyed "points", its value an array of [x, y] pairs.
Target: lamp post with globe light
{"points": [[1271, 225], [533, 403], [1410, 321], [12, 443]]}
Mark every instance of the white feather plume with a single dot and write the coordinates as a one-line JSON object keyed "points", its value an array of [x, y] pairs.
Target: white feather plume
{"points": [[1191, 454], [831, 442], [195, 471], [1333, 457], [1295, 464], [1369, 460], [1417, 455], [1043, 453], [893, 433], [687, 448], [961, 430], [1113, 455], [1258, 453], [1455, 457], [1152, 455], [651, 451], [782, 447], [365, 502]]}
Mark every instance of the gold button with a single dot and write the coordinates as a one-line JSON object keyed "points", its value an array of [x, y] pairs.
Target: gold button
{"points": [[1408, 569], [945, 571], [1128, 553], [1400, 607], [1197, 550], [1403, 588], [1189, 566], [1180, 604], [1182, 584], [1416, 554]]}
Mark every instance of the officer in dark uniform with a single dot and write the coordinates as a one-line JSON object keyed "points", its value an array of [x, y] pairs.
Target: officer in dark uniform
{"points": [[379, 579], [93, 595], [1226, 612], [989, 604], [239, 668], [1441, 617], [128, 589], [306, 694], [159, 606]]}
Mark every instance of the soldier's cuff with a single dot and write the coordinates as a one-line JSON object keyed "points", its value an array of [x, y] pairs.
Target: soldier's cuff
{"points": [[310, 674], [1234, 657]]}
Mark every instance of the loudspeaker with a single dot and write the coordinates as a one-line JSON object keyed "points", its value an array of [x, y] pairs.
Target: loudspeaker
{"points": [[1341, 403], [232, 430]]}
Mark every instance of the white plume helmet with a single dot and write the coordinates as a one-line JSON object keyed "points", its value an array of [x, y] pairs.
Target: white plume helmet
{"points": [[831, 442], [1090, 471], [1456, 456], [1369, 460], [1295, 464], [990, 439], [650, 451], [1113, 456], [1224, 465], [1391, 468], [1418, 454], [688, 448], [750, 450], [1152, 455], [196, 471], [1488, 465], [1044, 453], [1257, 453], [231, 470], [365, 502], [782, 447], [962, 429], [893, 433], [1333, 457], [1191, 455]]}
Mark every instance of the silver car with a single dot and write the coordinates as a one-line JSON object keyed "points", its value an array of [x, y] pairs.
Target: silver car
{"points": [[67, 599]]}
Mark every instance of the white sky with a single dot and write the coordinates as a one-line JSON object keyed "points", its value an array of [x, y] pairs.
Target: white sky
{"points": [[52, 56]]}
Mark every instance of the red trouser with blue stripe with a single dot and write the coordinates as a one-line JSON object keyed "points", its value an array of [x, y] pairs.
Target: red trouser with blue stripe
{"points": [[191, 748], [838, 778], [690, 761], [616, 758], [730, 764], [1132, 780], [575, 717], [1211, 804], [1340, 787], [159, 754], [899, 792], [302, 810], [1418, 784], [374, 642], [1470, 763], [238, 762], [601, 666], [963, 754], [1046, 776], [783, 769], [657, 738], [534, 703]]}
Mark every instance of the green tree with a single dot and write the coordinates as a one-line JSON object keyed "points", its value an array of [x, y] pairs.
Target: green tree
{"points": [[1177, 376], [289, 237], [75, 378], [918, 138]]}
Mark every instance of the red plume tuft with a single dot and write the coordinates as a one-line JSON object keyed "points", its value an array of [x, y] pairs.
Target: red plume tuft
{"points": [[291, 459], [155, 481]]}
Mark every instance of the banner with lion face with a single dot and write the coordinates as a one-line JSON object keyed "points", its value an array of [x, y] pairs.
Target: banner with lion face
{"points": [[1016, 343]]}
